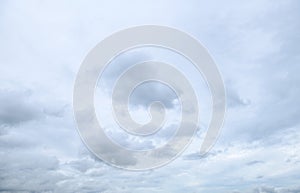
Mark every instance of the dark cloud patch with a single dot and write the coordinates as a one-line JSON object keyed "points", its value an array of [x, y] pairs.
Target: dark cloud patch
{"points": [[268, 91], [20, 106], [82, 165], [193, 156], [28, 171], [255, 162], [145, 93], [120, 64], [152, 91], [267, 189], [56, 110], [233, 99], [197, 155], [17, 107]]}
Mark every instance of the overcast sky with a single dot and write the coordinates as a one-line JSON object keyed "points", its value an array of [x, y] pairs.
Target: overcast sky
{"points": [[254, 43]]}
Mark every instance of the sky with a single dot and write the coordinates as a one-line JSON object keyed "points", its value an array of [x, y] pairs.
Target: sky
{"points": [[254, 43]]}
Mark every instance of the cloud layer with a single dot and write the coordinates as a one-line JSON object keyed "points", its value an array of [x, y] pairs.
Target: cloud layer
{"points": [[255, 45]]}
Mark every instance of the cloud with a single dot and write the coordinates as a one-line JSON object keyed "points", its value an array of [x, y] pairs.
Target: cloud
{"points": [[144, 94], [26, 172], [254, 43], [17, 107], [20, 106], [268, 189], [254, 163]]}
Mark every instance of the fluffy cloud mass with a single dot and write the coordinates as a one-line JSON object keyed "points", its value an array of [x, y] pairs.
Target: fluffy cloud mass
{"points": [[255, 45]]}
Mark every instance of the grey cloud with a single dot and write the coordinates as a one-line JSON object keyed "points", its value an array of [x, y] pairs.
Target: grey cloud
{"points": [[269, 82], [233, 99], [82, 165], [268, 189], [198, 156], [145, 93], [28, 172], [122, 62], [56, 110], [17, 107], [193, 156], [254, 162]]}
